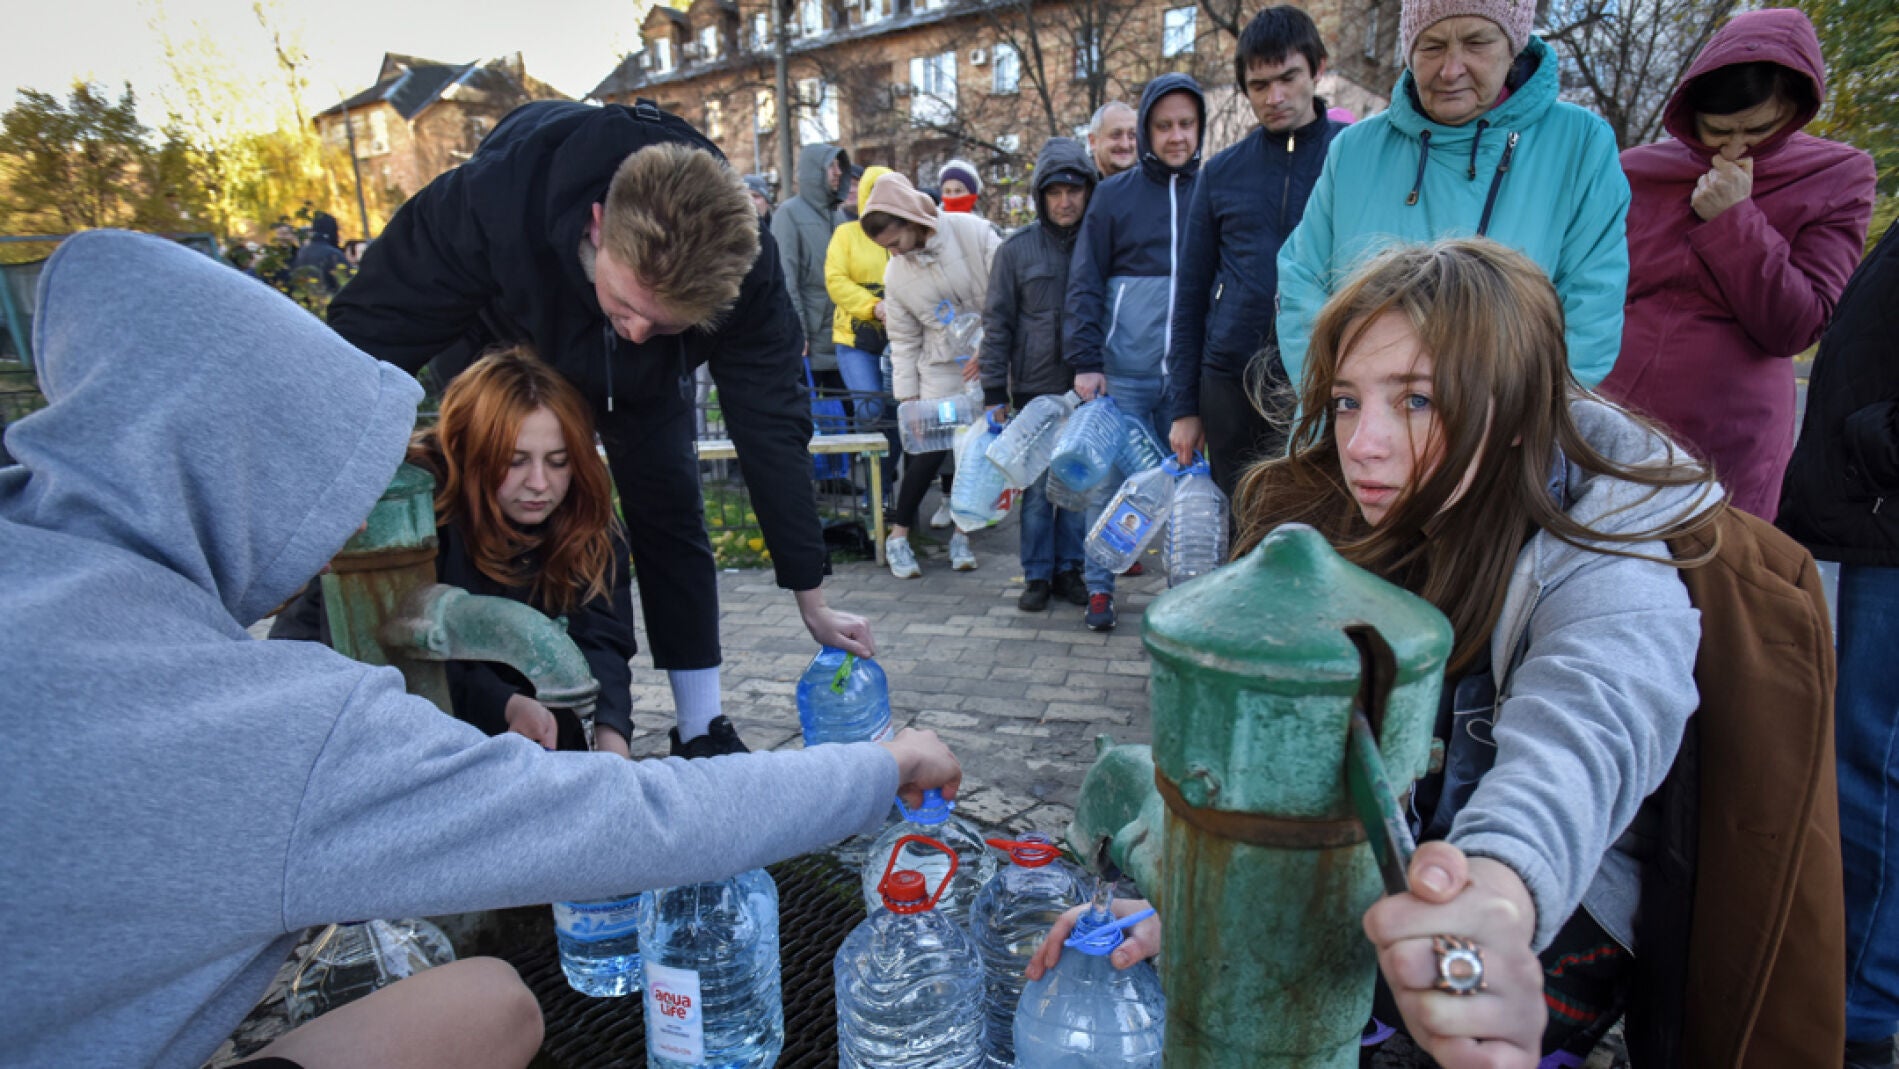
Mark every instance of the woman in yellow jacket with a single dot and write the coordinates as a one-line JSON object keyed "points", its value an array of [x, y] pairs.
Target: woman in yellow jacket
{"points": [[854, 275]]}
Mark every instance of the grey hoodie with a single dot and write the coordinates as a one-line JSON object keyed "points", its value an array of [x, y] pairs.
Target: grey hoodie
{"points": [[181, 800], [802, 228], [1597, 682]]}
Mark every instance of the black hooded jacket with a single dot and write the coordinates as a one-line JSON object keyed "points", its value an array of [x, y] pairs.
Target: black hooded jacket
{"points": [[1028, 285], [489, 252]]}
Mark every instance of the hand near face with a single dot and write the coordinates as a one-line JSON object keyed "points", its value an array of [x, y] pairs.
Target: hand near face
{"points": [[1727, 183]]}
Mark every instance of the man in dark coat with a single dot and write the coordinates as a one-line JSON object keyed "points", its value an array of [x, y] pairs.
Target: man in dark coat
{"points": [[321, 258], [618, 243], [1844, 470], [1245, 204], [1022, 354]]}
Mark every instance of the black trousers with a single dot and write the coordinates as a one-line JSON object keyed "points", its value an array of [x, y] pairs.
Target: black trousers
{"points": [[1237, 435], [918, 470]]}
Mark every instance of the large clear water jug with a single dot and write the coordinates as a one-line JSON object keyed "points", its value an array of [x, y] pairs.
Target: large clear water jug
{"points": [[843, 698], [1141, 449], [347, 961], [1089, 446], [980, 497], [1028, 443], [909, 979], [1063, 496], [600, 944], [1133, 518], [929, 425], [1012, 914], [1085, 1013], [934, 820], [1196, 525], [710, 952]]}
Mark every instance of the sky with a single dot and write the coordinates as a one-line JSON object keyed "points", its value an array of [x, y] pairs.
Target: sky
{"points": [[570, 44]]}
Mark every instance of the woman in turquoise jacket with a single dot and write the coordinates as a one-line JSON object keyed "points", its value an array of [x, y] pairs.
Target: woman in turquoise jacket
{"points": [[1475, 142]]}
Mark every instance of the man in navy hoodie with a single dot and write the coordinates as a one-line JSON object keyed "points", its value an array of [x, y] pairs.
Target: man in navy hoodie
{"points": [[1121, 281], [1245, 204]]}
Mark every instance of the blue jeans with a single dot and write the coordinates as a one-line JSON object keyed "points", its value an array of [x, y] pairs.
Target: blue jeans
{"points": [[1051, 537], [1141, 399], [1866, 728], [864, 377]]}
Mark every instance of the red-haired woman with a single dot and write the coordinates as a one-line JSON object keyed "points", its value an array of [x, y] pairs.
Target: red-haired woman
{"points": [[524, 511]]}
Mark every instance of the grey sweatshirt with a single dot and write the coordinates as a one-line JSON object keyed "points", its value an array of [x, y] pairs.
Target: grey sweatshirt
{"points": [[1596, 684], [180, 799]]}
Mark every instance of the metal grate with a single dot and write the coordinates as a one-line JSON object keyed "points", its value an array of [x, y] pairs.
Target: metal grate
{"points": [[819, 902]]}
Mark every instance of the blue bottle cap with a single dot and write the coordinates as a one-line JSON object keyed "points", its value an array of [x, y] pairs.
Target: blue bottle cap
{"points": [[1097, 933], [995, 425], [934, 809]]}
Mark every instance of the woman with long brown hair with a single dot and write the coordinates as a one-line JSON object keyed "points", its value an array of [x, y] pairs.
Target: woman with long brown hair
{"points": [[1445, 445]]}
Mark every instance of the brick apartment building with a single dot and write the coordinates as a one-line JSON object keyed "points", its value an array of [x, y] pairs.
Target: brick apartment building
{"points": [[422, 118], [911, 83]]}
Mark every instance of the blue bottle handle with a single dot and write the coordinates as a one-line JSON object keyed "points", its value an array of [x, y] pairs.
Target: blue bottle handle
{"points": [[1103, 940], [932, 801]]}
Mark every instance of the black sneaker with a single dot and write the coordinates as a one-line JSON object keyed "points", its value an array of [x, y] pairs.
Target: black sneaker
{"points": [[1100, 612], [1877, 1054], [1035, 598], [720, 738], [1071, 588]]}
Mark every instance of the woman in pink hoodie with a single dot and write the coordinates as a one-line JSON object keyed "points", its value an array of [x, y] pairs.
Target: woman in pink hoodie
{"points": [[1742, 232]]}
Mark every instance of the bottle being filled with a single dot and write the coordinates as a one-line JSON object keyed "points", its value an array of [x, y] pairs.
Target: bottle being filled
{"points": [[600, 944], [909, 979], [1196, 525], [710, 952], [843, 698], [1012, 914], [935, 821], [1085, 1013]]}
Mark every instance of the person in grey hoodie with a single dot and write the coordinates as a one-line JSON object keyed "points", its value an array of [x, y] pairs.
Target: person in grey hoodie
{"points": [[183, 800], [1456, 456], [802, 227]]}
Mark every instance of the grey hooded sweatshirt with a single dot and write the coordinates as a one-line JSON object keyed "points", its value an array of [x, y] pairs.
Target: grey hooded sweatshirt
{"points": [[802, 228], [180, 799], [1595, 684]]}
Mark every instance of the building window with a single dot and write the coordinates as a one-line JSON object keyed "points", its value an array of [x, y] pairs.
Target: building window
{"points": [[810, 17], [764, 111], [1087, 54], [377, 144], [715, 119], [761, 32], [874, 11], [817, 113], [933, 89], [1007, 73], [1177, 32], [661, 61], [708, 43]]}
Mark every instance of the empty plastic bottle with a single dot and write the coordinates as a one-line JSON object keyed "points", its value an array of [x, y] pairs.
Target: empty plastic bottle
{"points": [[1063, 496], [1132, 519], [348, 961], [962, 331], [1026, 444], [1196, 525], [600, 944], [980, 496], [1011, 916], [933, 820], [909, 979], [1085, 1013], [710, 952], [1141, 450], [843, 698], [929, 425], [1090, 445]]}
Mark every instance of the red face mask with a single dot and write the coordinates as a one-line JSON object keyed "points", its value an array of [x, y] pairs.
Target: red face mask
{"points": [[965, 203]]}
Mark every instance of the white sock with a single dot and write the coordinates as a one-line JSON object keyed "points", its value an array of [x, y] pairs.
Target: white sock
{"points": [[695, 700]]}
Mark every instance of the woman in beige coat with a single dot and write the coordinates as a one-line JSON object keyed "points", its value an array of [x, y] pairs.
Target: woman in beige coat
{"points": [[935, 257]]}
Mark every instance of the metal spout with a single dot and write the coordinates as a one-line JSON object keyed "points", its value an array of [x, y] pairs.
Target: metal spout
{"points": [[446, 623]]}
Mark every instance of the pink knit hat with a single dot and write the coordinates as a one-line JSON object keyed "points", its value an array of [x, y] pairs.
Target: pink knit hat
{"points": [[1516, 17]]}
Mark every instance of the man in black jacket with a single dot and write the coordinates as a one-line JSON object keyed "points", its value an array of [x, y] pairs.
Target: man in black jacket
{"points": [[1246, 203], [1840, 498], [1022, 354], [618, 243]]}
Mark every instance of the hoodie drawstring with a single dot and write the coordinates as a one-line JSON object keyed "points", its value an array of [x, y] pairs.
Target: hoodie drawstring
{"points": [[1423, 155], [1482, 125], [1173, 265], [606, 337], [1496, 181]]}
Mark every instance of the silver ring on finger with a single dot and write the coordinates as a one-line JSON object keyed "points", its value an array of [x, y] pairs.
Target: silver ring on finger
{"points": [[1460, 965]]}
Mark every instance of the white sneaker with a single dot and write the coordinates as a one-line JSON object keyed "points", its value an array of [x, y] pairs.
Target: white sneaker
{"points": [[901, 558], [962, 558], [941, 518]]}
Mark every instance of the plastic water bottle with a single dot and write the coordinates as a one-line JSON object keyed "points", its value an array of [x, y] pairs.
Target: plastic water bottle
{"points": [[962, 331], [348, 961], [1196, 525], [1141, 450], [1085, 1013], [711, 961], [600, 944], [1028, 442], [980, 496], [974, 863], [1133, 518], [909, 979], [1063, 496], [1012, 915], [1090, 445], [843, 698], [929, 425]]}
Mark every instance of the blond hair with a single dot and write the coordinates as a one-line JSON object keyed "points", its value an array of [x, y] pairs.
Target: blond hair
{"points": [[682, 221]]}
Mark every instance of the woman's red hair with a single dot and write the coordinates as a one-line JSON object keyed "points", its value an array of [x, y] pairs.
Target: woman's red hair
{"points": [[470, 449]]}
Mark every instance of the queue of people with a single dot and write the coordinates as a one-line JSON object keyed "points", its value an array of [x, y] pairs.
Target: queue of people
{"points": [[1391, 330]]}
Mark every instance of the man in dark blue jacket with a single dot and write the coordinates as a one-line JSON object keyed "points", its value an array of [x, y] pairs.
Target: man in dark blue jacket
{"points": [[1247, 201], [1121, 281]]}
